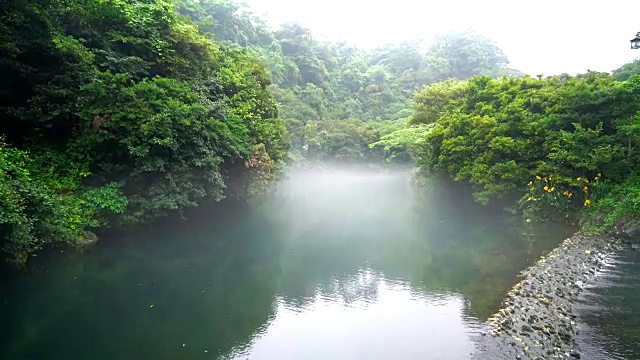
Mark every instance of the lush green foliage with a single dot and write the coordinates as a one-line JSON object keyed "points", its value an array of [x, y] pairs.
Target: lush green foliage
{"points": [[404, 145], [129, 108], [340, 140], [43, 204], [319, 80], [537, 140], [141, 108], [627, 70], [556, 198], [620, 204], [124, 111], [334, 96]]}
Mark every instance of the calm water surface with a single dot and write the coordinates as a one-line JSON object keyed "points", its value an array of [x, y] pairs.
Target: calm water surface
{"points": [[335, 265]]}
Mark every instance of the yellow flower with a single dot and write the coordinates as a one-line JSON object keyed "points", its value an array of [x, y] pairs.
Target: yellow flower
{"points": [[587, 202], [570, 194], [530, 183], [546, 180], [550, 179], [530, 198], [579, 179], [585, 189], [531, 188], [552, 188], [546, 188], [599, 175], [528, 220], [538, 177]]}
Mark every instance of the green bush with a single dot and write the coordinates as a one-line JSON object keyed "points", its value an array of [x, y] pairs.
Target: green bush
{"points": [[502, 134], [39, 208], [620, 204], [123, 125]]}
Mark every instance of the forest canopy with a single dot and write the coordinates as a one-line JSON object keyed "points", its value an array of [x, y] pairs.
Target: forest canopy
{"points": [[120, 112], [335, 98]]}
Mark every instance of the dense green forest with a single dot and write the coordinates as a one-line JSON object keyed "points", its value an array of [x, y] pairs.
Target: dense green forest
{"points": [[320, 80], [560, 147], [553, 148], [317, 82], [120, 112]]}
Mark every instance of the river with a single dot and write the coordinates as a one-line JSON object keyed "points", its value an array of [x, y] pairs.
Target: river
{"points": [[334, 265], [608, 310]]}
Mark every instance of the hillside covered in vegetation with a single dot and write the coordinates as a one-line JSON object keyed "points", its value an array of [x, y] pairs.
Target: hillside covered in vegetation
{"points": [[317, 82], [122, 112], [560, 147]]}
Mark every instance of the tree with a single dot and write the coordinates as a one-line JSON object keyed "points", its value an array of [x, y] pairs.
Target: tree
{"points": [[467, 54], [145, 117], [554, 134], [627, 70]]}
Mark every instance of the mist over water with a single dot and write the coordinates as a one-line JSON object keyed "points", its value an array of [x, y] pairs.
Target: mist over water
{"points": [[339, 264]]}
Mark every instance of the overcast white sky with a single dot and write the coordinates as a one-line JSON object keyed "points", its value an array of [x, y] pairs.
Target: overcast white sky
{"points": [[540, 37]]}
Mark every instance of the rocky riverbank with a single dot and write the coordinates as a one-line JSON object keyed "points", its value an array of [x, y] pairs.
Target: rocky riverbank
{"points": [[536, 321]]}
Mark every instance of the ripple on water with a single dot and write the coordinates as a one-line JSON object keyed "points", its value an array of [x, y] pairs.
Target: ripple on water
{"points": [[609, 311]]}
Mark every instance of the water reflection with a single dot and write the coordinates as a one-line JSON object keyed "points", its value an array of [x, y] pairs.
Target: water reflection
{"points": [[330, 224], [336, 265], [373, 319]]}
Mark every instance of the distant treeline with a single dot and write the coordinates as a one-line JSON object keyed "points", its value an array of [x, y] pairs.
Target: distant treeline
{"points": [[317, 82]]}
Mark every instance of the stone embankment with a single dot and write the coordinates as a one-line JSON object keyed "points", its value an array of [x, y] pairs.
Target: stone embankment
{"points": [[536, 321]]}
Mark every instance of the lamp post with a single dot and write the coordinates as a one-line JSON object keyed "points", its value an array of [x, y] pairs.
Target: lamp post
{"points": [[635, 43]]}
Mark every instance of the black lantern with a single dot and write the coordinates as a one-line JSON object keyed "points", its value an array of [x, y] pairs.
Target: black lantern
{"points": [[635, 43]]}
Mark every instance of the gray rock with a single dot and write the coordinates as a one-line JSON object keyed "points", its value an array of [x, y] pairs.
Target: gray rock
{"points": [[537, 321]]}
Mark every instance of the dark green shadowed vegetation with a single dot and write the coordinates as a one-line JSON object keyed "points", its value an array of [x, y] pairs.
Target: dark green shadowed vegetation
{"points": [[121, 112]]}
